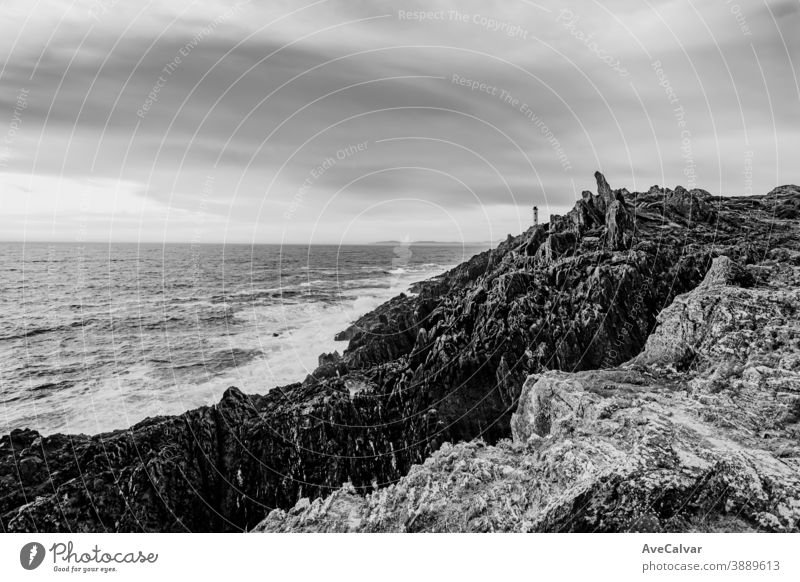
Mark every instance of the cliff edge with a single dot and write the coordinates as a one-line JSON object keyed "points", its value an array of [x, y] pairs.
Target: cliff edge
{"points": [[444, 365], [700, 432]]}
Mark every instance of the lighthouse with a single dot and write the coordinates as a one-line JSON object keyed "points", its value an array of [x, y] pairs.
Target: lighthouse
{"points": [[535, 216]]}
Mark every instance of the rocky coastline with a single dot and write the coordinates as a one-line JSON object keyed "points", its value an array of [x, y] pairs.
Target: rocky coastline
{"points": [[633, 365], [699, 432]]}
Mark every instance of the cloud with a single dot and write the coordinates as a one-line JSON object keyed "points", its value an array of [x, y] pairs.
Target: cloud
{"points": [[480, 109]]}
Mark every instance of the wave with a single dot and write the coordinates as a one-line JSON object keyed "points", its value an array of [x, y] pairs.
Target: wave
{"points": [[33, 333], [144, 345], [51, 329]]}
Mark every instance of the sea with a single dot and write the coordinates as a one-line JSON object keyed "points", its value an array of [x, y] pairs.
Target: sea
{"points": [[96, 337]]}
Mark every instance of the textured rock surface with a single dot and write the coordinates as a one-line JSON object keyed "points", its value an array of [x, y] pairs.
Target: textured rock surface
{"points": [[642, 447], [443, 365]]}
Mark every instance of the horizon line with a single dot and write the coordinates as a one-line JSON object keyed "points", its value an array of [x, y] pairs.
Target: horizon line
{"points": [[195, 243]]}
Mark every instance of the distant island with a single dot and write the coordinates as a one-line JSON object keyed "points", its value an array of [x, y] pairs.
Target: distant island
{"points": [[437, 243]]}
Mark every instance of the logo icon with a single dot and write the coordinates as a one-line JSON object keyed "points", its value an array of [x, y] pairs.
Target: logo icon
{"points": [[31, 555]]}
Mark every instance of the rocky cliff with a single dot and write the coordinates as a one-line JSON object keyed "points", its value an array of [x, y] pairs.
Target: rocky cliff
{"points": [[448, 364], [700, 432]]}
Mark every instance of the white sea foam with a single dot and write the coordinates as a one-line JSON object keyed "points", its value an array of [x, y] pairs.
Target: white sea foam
{"points": [[146, 350]]}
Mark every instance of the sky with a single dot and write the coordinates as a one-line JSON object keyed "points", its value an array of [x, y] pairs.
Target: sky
{"points": [[353, 121]]}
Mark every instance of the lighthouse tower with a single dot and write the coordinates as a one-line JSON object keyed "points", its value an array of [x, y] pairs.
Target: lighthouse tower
{"points": [[535, 216]]}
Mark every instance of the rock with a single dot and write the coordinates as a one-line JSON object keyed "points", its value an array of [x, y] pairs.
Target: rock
{"points": [[559, 244], [448, 364], [31, 468], [785, 201], [619, 225], [604, 190], [330, 366], [725, 271], [544, 404], [345, 335], [711, 321], [384, 334], [691, 205], [625, 449]]}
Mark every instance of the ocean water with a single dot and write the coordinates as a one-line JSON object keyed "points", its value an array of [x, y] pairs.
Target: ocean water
{"points": [[96, 337]]}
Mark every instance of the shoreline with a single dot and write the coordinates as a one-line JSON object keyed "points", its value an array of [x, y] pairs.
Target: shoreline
{"points": [[447, 365], [178, 397]]}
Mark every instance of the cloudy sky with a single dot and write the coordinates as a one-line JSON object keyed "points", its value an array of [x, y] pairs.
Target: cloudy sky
{"points": [[354, 121]]}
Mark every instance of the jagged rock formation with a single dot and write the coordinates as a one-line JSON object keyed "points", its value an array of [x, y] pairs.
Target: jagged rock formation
{"points": [[444, 365], [700, 432]]}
